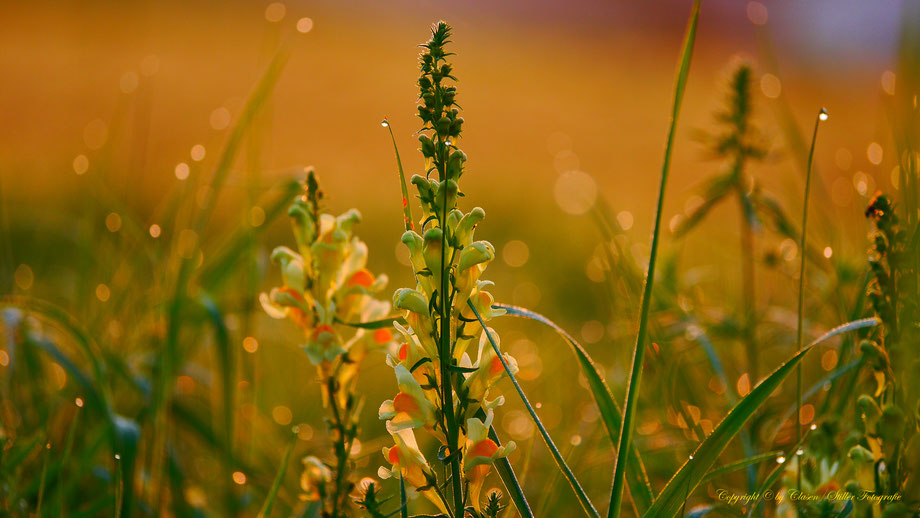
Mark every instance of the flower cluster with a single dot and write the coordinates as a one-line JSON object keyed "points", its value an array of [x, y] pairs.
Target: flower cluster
{"points": [[442, 390], [326, 290]]}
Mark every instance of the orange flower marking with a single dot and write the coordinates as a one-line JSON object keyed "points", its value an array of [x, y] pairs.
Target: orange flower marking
{"points": [[405, 403], [496, 367], [484, 448], [292, 292], [393, 456], [403, 351], [361, 277], [382, 336]]}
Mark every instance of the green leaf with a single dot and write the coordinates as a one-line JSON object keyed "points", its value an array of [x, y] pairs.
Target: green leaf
{"points": [[375, 324], [689, 476], [635, 377], [279, 478], [636, 478]]}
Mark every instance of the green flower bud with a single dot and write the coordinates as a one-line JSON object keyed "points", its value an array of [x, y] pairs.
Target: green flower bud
{"points": [[891, 424], [860, 454], [410, 300], [414, 243], [348, 219], [302, 221], [868, 410], [852, 487], [427, 146], [425, 194], [464, 232], [432, 251], [443, 126], [452, 191], [875, 355], [476, 253]]}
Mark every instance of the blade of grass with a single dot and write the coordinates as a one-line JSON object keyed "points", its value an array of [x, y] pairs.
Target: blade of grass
{"points": [[41, 485], [635, 377], [688, 477], [510, 480], [739, 465], [636, 478], [403, 503], [407, 210], [800, 326], [279, 478], [566, 471]]}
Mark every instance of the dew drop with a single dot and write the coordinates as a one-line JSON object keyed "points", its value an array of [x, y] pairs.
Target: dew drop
{"points": [[117, 457], [781, 459], [800, 452], [823, 114], [385, 123], [813, 426], [79, 402]]}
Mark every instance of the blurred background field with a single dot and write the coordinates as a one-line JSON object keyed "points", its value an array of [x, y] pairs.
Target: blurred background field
{"points": [[114, 116]]}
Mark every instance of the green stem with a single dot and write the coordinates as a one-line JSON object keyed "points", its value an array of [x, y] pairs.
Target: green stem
{"points": [[446, 353], [635, 377], [800, 328]]}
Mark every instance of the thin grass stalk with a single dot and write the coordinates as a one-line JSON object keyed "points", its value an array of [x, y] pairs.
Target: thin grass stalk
{"points": [[68, 446], [41, 484], [403, 501], [583, 499], [800, 328], [407, 210], [635, 377], [269, 503]]}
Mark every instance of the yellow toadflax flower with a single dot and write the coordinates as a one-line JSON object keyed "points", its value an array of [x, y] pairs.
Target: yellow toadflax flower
{"points": [[480, 453]]}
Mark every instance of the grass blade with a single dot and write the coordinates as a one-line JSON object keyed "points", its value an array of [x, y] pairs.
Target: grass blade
{"points": [[506, 473], [279, 477], [739, 465], [566, 471], [403, 503], [407, 210], [635, 377], [636, 478], [800, 322], [707, 453]]}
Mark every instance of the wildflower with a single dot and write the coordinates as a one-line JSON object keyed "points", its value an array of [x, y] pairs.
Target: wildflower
{"points": [[481, 451], [489, 369], [408, 462], [326, 287], [410, 408], [439, 386]]}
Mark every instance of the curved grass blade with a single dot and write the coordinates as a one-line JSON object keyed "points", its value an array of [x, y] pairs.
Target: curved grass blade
{"points": [[635, 377], [279, 477], [636, 478], [739, 465], [407, 210], [688, 477], [563, 467]]}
